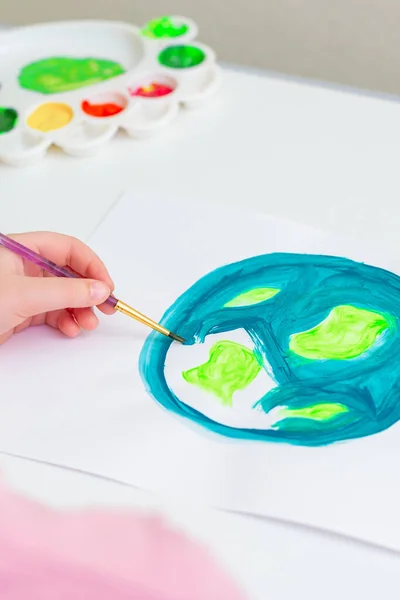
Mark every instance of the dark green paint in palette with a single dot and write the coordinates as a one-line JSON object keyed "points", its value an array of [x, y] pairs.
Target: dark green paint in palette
{"points": [[181, 57], [8, 119]]}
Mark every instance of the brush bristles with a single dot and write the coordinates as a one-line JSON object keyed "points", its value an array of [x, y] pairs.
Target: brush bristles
{"points": [[177, 338]]}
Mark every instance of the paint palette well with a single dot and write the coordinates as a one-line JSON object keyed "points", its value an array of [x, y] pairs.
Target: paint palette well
{"points": [[74, 84]]}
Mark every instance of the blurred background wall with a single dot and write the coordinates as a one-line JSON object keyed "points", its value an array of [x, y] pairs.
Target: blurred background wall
{"points": [[354, 42]]}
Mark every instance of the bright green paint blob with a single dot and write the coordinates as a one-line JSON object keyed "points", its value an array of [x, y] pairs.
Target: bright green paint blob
{"points": [[346, 333], [164, 27], [62, 74], [254, 296], [230, 368], [8, 119], [317, 412], [181, 57]]}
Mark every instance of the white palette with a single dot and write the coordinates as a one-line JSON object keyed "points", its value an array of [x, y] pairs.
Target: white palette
{"points": [[183, 70]]}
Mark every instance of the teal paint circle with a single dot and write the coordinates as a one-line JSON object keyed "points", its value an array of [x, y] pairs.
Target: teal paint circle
{"points": [[181, 57], [311, 286]]}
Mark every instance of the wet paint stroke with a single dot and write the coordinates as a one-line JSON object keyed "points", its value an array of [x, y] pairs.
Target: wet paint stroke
{"points": [[347, 332], [64, 74], [254, 296], [325, 328], [317, 412], [230, 368]]}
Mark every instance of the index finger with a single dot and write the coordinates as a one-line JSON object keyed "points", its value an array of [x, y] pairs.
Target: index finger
{"points": [[67, 251]]}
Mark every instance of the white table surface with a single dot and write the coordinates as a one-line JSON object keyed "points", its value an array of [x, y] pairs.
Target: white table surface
{"points": [[269, 561], [319, 156]]}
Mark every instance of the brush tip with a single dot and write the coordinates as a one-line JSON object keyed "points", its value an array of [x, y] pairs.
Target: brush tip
{"points": [[176, 338]]}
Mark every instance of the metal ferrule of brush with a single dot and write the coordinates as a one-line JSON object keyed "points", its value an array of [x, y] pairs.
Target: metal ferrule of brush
{"points": [[135, 314]]}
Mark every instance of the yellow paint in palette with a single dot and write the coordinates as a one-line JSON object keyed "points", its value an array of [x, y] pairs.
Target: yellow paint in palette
{"points": [[50, 116]]}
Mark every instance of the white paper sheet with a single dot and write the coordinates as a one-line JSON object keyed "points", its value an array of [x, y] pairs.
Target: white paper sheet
{"points": [[82, 403]]}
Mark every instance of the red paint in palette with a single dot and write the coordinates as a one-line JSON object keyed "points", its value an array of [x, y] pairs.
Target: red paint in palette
{"points": [[153, 90], [108, 109]]}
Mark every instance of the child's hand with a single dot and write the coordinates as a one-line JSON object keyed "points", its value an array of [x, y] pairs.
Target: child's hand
{"points": [[29, 296]]}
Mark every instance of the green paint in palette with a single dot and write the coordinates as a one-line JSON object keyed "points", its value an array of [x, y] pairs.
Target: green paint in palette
{"points": [[181, 57], [62, 74], [8, 119], [164, 27]]}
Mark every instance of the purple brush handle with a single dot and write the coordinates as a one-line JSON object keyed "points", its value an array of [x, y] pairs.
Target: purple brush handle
{"points": [[43, 263]]}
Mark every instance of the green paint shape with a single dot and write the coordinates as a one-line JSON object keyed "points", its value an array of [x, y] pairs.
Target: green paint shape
{"points": [[317, 412], [164, 27], [254, 296], [346, 333], [181, 57], [63, 74], [231, 367], [8, 119]]}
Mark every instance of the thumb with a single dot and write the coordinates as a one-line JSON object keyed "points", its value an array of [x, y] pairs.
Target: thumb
{"points": [[37, 295]]}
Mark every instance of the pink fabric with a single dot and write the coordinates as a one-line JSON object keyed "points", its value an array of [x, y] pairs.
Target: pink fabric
{"points": [[98, 555]]}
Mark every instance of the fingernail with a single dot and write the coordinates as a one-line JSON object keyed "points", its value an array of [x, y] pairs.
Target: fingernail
{"points": [[99, 291]]}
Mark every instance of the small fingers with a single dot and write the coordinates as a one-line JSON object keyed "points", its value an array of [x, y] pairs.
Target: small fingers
{"points": [[106, 309], [67, 251], [85, 318], [61, 320], [67, 324], [35, 295]]}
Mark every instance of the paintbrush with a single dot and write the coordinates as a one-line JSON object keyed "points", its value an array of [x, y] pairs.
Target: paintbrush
{"points": [[53, 269]]}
